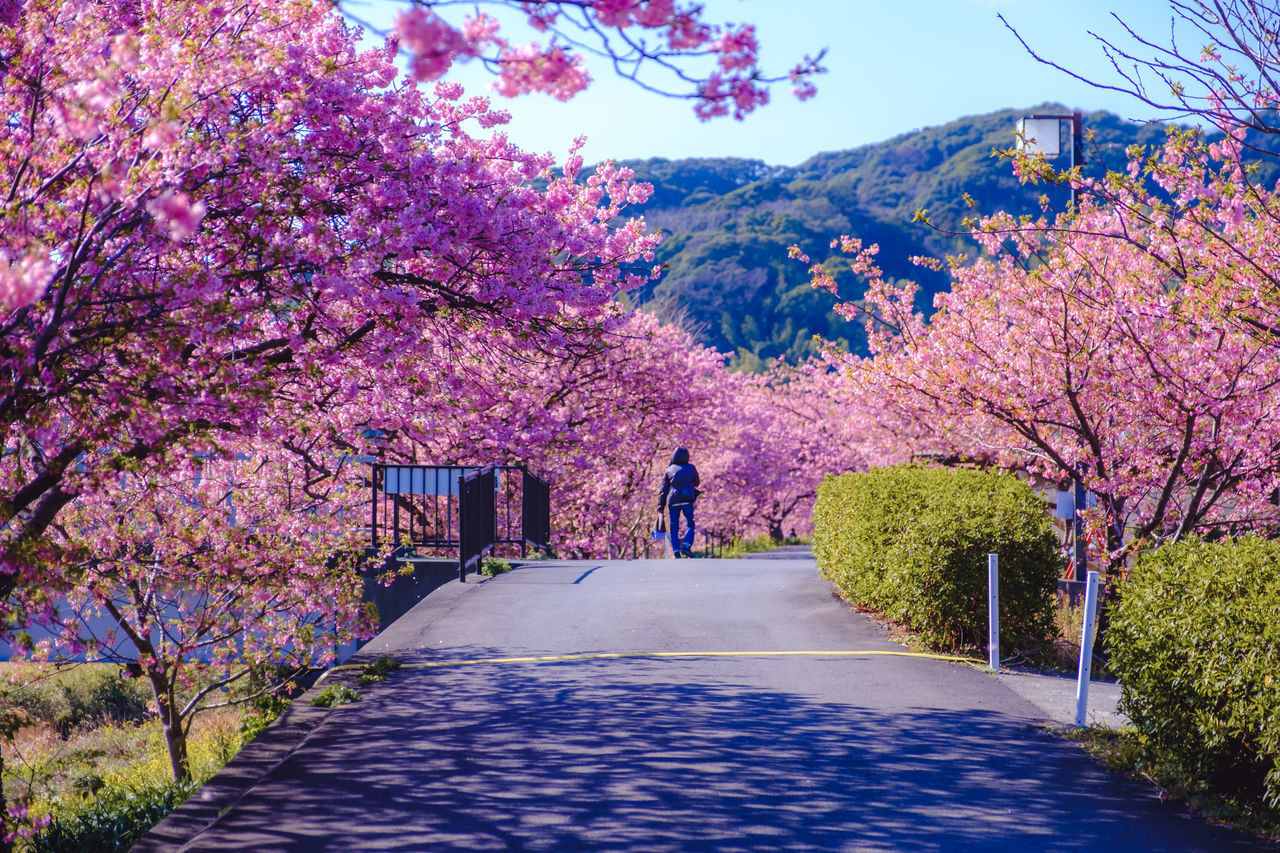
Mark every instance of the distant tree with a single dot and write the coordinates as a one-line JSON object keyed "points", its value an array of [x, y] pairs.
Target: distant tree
{"points": [[785, 433]]}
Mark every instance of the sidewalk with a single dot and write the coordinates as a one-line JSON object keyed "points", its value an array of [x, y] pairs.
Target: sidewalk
{"points": [[1055, 696]]}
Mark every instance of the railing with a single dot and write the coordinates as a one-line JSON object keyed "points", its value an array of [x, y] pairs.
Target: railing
{"points": [[715, 542], [416, 506], [477, 519], [419, 508], [535, 514]]}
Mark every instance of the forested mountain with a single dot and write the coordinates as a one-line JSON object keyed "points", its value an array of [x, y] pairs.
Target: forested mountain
{"points": [[729, 223]]}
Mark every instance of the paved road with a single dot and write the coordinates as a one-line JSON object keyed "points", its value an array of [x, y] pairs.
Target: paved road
{"points": [[742, 752]]}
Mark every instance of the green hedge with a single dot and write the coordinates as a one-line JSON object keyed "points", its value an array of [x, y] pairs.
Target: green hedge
{"points": [[912, 543], [1195, 642]]}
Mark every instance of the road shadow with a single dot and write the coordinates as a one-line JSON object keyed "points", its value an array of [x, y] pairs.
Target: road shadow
{"points": [[655, 755]]}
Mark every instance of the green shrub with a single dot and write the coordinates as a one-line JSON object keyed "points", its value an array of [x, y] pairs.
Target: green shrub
{"points": [[912, 543], [335, 694], [376, 672], [112, 821], [494, 566], [1195, 642], [745, 547]]}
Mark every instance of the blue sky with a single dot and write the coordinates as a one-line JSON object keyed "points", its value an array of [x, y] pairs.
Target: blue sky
{"points": [[894, 65]]}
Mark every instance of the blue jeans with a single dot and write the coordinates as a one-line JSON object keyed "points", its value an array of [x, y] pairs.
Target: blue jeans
{"points": [[673, 529]]}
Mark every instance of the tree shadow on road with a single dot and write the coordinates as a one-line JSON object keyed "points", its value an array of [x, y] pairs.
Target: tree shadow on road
{"points": [[613, 755]]}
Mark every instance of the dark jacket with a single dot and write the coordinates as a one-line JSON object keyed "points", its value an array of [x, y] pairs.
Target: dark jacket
{"points": [[680, 482]]}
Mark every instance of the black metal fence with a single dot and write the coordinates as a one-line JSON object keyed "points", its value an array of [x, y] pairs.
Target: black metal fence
{"points": [[477, 519], [535, 512], [714, 542], [416, 506], [422, 509]]}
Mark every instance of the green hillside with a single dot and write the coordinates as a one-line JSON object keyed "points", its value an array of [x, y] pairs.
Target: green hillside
{"points": [[729, 222]]}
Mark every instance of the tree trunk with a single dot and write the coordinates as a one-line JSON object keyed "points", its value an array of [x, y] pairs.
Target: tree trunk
{"points": [[5, 846], [175, 736]]}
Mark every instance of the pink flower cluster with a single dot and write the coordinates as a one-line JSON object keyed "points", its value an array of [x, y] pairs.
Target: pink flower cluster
{"points": [[24, 276], [737, 85], [175, 212], [532, 69], [434, 44]]}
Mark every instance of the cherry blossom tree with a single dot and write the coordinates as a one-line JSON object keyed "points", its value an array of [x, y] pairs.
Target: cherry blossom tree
{"points": [[785, 432], [1125, 350], [210, 209], [596, 417], [209, 203], [227, 232], [1132, 342], [199, 575]]}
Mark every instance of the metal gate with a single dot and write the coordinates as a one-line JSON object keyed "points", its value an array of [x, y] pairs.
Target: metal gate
{"points": [[445, 508]]}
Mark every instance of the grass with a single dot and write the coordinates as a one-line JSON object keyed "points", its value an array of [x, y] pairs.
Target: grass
{"points": [[1064, 655], [1122, 752], [745, 547], [376, 672], [494, 566], [87, 753]]}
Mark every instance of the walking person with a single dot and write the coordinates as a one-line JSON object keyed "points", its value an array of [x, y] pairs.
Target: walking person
{"points": [[677, 496]]}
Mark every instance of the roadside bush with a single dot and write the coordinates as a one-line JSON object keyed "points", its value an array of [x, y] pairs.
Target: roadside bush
{"points": [[912, 543], [1195, 639], [112, 821], [80, 695]]}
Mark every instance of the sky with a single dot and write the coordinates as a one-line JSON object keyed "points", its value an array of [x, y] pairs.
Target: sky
{"points": [[893, 66]]}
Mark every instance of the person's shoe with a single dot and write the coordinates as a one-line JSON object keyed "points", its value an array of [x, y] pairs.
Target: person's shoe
{"points": [[676, 556], [687, 551]]}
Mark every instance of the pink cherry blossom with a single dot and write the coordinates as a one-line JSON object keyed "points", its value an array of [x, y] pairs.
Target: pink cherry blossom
{"points": [[176, 214], [738, 84], [24, 278]]}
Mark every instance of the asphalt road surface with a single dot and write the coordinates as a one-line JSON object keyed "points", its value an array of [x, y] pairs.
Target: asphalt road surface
{"points": [[665, 719]]}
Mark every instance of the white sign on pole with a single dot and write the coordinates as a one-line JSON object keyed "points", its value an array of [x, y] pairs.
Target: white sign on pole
{"points": [[1040, 136]]}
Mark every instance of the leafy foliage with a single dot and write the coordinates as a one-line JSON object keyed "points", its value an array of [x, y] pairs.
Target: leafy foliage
{"points": [[376, 672], [112, 821], [493, 566], [912, 543], [79, 696], [1195, 639], [335, 694]]}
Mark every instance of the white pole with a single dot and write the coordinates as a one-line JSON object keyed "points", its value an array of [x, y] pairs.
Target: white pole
{"points": [[993, 611], [1086, 647]]}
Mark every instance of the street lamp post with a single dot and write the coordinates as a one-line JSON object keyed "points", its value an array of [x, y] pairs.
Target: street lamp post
{"points": [[1042, 134]]}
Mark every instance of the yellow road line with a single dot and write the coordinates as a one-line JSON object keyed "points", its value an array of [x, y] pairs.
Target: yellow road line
{"points": [[652, 655]]}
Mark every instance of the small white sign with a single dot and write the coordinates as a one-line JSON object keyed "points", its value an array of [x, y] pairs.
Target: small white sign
{"points": [[1040, 136]]}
